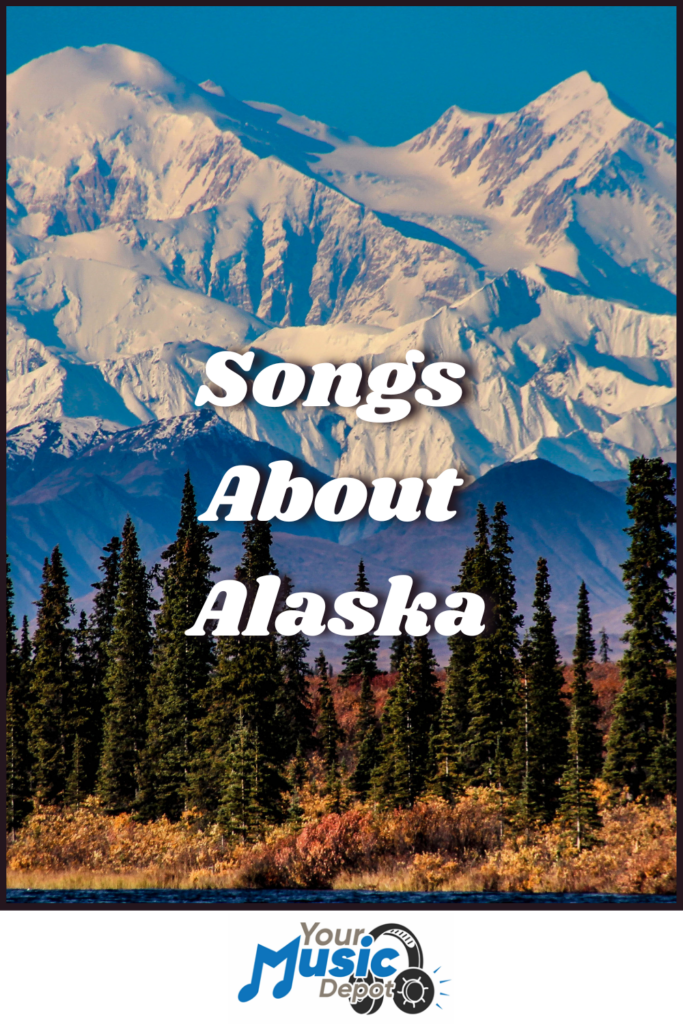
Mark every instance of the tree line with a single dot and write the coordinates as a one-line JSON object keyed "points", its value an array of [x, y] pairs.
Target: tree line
{"points": [[126, 707]]}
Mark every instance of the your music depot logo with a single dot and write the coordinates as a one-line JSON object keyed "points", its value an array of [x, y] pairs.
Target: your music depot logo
{"points": [[364, 968]]}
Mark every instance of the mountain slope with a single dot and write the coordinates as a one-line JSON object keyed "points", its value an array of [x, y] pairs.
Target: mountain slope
{"points": [[569, 182]]}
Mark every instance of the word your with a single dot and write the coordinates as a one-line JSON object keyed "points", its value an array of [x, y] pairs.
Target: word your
{"points": [[308, 612], [290, 498], [282, 384]]}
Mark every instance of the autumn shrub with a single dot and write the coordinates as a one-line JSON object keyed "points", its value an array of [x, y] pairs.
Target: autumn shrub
{"points": [[361, 841], [429, 847], [58, 839]]}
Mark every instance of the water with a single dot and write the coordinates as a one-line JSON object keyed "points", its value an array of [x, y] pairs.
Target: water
{"points": [[326, 896]]}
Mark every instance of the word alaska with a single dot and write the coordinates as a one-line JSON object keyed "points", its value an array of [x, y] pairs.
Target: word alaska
{"points": [[290, 498], [307, 611], [387, 963], [282, 384]]}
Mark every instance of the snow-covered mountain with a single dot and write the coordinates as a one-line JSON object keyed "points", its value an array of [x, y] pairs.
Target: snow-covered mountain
{"points": [[153, 222]]}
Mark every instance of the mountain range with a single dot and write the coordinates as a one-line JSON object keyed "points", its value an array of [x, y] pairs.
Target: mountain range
{"points": [[153, 221]]}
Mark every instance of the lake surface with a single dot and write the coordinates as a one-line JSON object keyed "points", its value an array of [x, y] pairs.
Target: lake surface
{"points": [[326, 896]]}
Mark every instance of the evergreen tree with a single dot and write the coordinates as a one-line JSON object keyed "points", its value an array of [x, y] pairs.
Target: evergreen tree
{"points": [[604, 646], [49, 715], [475, 578], [244, 809], [329, 732], [648, 697], [296, 724], [578, 806], [494, 669], [541, 744], [17, 698], [101, 624], [296, 776], [83, 761], [398, 649], [361, 651], [584, 703], [448, 779], [426, 698], [128, 671], [181, 665], [366, 740], [245, 688], [395, 782]]}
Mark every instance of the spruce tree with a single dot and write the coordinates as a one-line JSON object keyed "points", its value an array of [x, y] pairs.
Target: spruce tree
{"points": [[296, 723], [329, 732], [249, 795], [476, 577], [100, 630], [395, 780], [426, 698], [645, 710], [17, 698], [448, 780], [398, 648], [181, 665], [49, 717], [127, 679], [578, 806], [584, 703], [540, 753], [494, 670], [361, 651], [366, 740], [297, 773], [246, 687], [604, 646], [83, 761]]}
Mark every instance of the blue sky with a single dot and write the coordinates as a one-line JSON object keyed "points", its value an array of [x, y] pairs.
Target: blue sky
{"points": [[383, 73]]}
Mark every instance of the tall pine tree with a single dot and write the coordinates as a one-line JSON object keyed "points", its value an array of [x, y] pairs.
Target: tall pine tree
{"points": [[181, 665], [52, 684], [366, 740], [244, 808], [100, 630], [540, 753], [18, 681], [361, 651], [329, 732], [426, 698], [584, 702], [395, 780], [604, 646], [127, 679], [297, 723], [244, 692], [83, 761], [645, 711], [578, 806], [494, 672]]}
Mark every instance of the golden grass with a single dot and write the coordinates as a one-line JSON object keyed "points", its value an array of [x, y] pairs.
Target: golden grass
{"points": [[431, 847]]}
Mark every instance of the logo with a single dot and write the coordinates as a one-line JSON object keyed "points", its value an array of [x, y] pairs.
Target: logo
{"points": [[366, 969]]}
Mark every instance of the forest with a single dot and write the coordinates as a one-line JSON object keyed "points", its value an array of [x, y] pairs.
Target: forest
{"points": [[138, 754]]}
